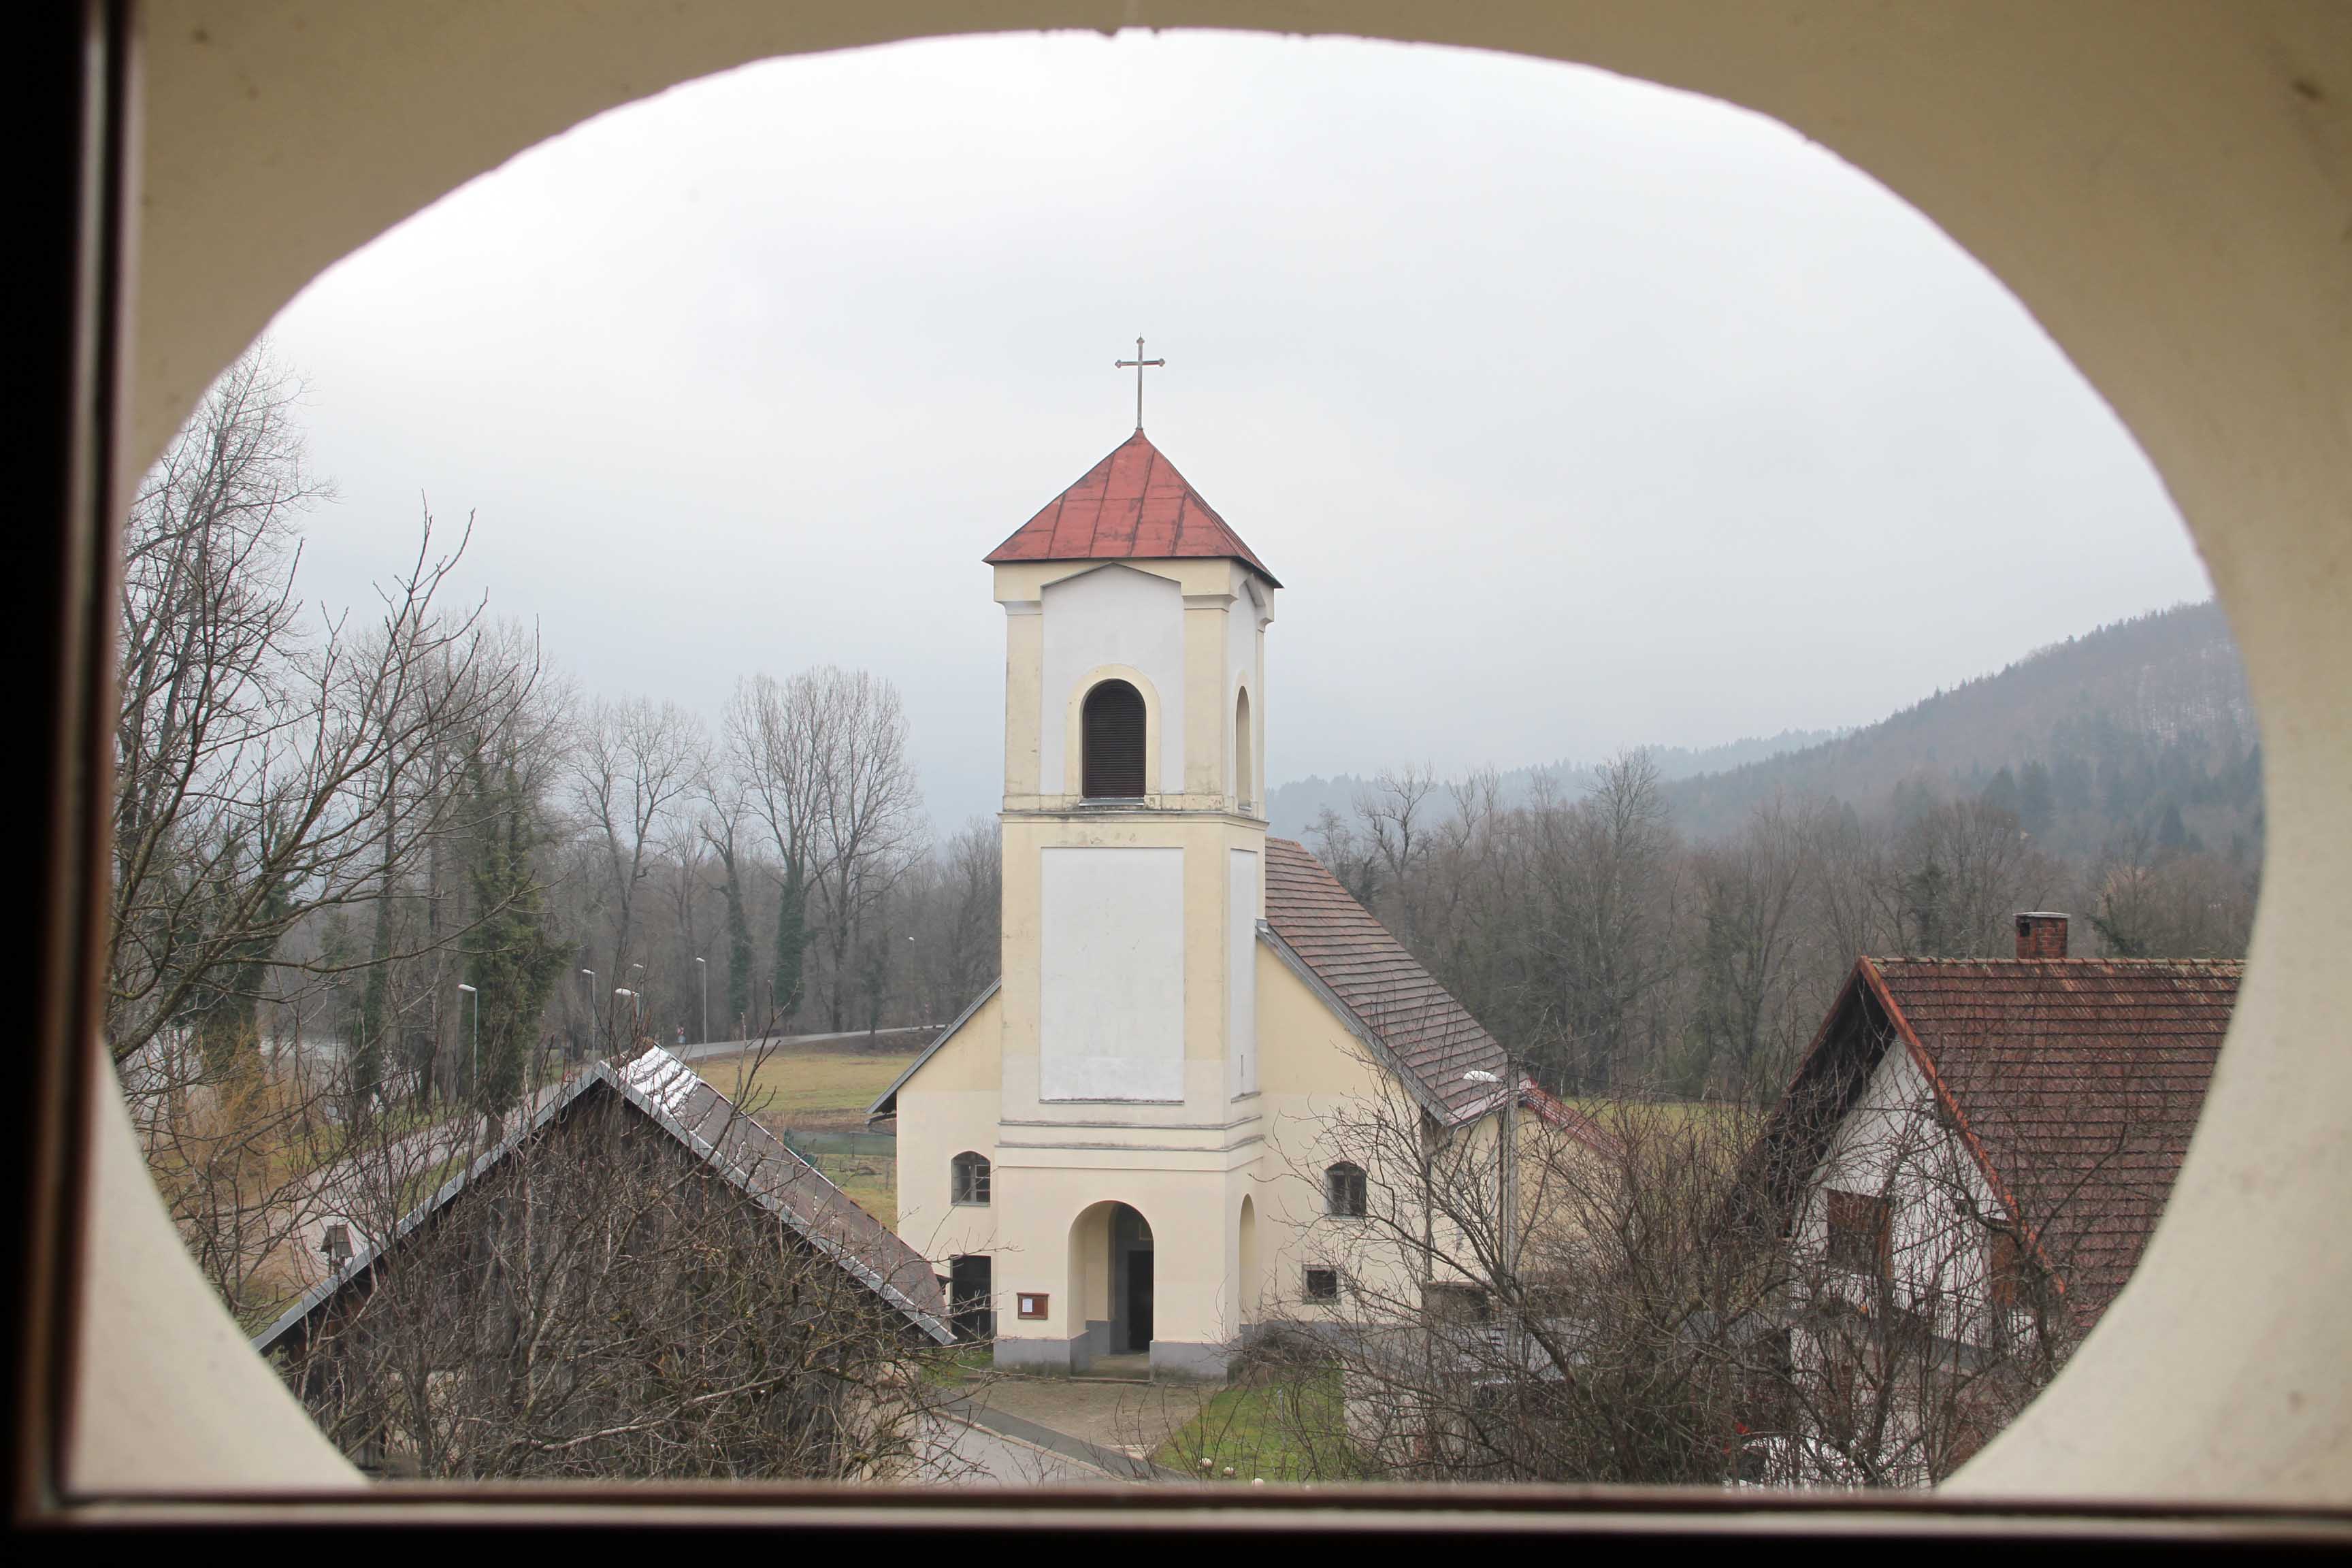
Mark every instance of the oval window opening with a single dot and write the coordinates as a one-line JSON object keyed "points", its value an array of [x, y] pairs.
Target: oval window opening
{"points": [[551, 919]]}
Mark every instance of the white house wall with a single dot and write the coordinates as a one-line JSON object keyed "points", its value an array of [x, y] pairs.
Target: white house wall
{"points": [[1890, 1144], [1113, 615]]}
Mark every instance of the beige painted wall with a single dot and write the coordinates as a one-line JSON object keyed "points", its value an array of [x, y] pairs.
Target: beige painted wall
{"points": [[2165, 183], [1314, 1070], [947, 1108], [1224, 610]]}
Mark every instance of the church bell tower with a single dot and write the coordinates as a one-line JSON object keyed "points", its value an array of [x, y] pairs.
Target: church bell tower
{"points": [[1134, 870]]}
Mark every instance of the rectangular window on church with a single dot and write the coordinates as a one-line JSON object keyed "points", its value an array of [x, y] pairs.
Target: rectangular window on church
{"points": [[1322, 1284]]}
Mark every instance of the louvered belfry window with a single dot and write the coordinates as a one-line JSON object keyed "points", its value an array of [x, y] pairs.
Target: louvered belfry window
{"points": [[1112, 726]]}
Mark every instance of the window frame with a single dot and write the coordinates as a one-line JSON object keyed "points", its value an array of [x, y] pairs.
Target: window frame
{"points": [[1345, 1183], [1103, 691], [971, 1173], [1840, 1245], [74, 205]]}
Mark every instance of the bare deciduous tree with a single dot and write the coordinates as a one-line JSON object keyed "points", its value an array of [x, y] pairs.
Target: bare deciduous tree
{"points": [[633, 765], [600, 1301]]}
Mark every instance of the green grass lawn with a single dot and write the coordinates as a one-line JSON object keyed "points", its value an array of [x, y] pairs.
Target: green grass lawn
{"points": [[824, 1092], [1276, 1429], [816, 1090]]}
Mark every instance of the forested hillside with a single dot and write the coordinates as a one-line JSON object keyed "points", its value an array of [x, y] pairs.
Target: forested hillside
{"points": [[2141, 726], [1628, 931]]}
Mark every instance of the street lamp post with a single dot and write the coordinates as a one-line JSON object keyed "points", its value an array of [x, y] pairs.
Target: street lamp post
{"points": [[592, 1008], [637, 1024], [475, 1081], [706, 1001]]}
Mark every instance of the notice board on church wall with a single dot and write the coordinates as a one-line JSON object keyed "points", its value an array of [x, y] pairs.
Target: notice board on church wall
{"points": [[1111, 982]]}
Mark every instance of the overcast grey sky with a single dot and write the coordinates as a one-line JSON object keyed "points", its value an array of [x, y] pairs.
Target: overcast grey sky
{"points": [[1573, 412]]}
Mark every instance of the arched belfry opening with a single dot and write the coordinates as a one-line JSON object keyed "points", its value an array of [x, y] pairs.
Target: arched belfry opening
{"points": [[1244, 759], [1112, 733]]}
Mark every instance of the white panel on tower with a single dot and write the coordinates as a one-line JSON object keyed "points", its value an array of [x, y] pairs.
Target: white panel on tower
{"points": [[1111, 1021], [1241, 971]]}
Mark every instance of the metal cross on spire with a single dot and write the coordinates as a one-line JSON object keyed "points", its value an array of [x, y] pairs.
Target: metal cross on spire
{"points": [[1139, 362]]}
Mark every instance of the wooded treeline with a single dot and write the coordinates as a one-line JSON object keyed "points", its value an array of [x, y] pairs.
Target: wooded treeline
{"points": [[355, 831], [398, 838], [1612, 953]]}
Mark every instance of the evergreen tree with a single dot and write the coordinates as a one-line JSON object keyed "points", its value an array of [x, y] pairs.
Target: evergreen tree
{"points": [[1926, 893], [2036, 801], [2002, 794], [222, 1008], [2171, 833], [791, 942], [511, 958], [738, 949]]}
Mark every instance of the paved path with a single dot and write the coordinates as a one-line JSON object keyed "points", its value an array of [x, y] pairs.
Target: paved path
{"points": [[913, 1036], [971, 1454], [1115, 1426]]}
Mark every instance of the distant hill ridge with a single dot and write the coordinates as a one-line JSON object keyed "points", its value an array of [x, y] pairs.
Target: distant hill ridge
{"points": [[1292, 808], [2120, 722], [2140, 724]]}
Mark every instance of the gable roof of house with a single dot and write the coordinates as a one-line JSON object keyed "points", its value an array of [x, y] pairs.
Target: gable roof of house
{"points": [[2074, 1083], [734, 1145], [1133, 505]]}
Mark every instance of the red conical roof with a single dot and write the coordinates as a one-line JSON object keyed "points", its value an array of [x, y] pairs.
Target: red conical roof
{"points": [[1133, 505]]}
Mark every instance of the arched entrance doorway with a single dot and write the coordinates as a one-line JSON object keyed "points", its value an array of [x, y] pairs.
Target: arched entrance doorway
{"points": [[1112, 1283]]}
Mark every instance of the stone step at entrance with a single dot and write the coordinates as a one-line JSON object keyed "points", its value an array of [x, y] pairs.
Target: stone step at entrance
{"points": [[1133, 1367]]}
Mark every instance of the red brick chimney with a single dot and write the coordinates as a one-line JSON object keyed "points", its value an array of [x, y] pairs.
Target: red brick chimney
{"points": [[2041, 933]]}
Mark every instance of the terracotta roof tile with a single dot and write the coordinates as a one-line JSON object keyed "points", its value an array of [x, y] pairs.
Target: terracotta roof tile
{"points": [[1133, 505], [2081, 1080], [1432, 1035], [2077, 1083]]}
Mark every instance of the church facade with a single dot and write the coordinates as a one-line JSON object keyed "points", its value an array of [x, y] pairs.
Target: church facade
{"points": [[1117, 1151]]}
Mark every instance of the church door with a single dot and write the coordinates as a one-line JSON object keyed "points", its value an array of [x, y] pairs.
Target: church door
{"points": [[1130, 1281], [1138, 1301], [971, 1288]]}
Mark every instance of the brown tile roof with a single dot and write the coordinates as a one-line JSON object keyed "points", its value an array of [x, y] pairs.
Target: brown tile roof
{"points": [[1432, 1037], [1133, 505], [2076, 1084]]}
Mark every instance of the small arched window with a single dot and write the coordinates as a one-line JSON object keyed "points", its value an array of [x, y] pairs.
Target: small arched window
{"points": [[1343, 1190], [1111, 733], [1244, 762], [971, 1179]]}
